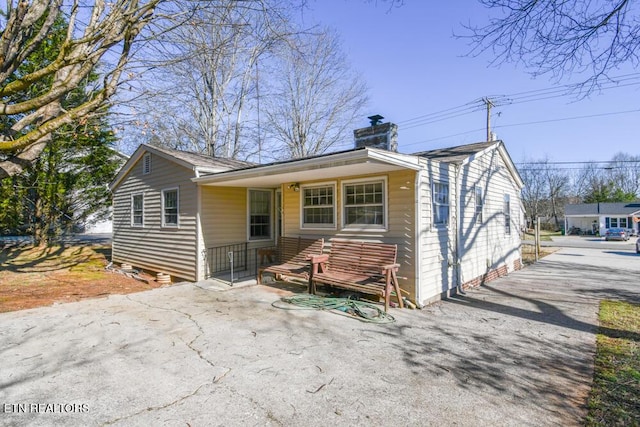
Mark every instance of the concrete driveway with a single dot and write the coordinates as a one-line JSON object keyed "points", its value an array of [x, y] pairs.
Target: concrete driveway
{"points": [[516, 352]]}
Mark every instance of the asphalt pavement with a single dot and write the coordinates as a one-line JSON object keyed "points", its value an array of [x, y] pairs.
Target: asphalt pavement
{"points": [[516, 352]]}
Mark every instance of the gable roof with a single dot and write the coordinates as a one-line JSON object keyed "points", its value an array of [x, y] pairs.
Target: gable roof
{"points": [[462, 154], [199, 163], [198, 160], [457, 154], [624, 208]]}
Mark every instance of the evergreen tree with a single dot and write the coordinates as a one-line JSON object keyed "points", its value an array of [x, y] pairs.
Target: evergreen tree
{"points": [[68, 183]]}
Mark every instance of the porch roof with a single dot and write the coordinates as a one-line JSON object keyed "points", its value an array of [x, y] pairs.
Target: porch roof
{"points": [[359, 161]]}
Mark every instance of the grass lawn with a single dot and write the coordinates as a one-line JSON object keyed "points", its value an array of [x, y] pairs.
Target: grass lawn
{"points": [[544, 235], [615, 395]]}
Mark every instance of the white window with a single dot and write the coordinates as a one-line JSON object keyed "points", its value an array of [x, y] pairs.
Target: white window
{"points": [[259, 214], [614, 222], [507, 214], [479, 204], [623, 222], [170, 208], [318, 206], [440, 203], [137, 210], [364, 204], [146, 163]]}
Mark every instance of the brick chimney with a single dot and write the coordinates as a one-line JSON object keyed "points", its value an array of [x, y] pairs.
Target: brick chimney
{"points": [[378, 135]]}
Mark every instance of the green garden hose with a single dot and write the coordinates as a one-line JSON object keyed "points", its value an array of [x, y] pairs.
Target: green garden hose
{"points": [[361, 310]]}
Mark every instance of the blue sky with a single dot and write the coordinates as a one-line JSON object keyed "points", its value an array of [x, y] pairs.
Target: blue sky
{"points": [[415, 67]]}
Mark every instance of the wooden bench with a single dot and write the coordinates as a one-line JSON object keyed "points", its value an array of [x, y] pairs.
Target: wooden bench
{"points": [[364, 267], [290, 257]]}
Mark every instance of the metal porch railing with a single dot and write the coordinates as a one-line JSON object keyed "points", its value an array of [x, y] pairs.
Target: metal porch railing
{"points": [[232, 262]]}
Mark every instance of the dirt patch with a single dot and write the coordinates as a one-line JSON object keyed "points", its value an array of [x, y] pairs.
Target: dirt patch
{"points": [[529, 254], [41, 276]]}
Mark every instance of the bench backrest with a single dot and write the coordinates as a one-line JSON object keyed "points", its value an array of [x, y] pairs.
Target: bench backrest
{"points": [[361, 257], [295, 250]]}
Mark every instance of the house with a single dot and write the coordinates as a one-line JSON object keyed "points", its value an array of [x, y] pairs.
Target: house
{"points": [[595, 218], [454, 213]]}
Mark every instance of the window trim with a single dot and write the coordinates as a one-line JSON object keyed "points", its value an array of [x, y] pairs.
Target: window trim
{"points": [[162, 208], [271, 215], [146, 164], [506, 211], [434, 203], [334, 206], [478, 216], [133, 224], [385, 204]]}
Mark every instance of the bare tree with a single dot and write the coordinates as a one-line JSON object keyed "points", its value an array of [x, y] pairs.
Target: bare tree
{"points": [[96, 30], [206, 74], [315, 101], [561, 37], [612, 182], [534, 192], [557, 187], [624, 171]]}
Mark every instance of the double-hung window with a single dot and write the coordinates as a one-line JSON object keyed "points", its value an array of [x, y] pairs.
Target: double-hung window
{"points": [[479, 204], [318, 206], [137, 210], [259, 214], [440, 203], [364, 204], [170, 208], [507, 214]]}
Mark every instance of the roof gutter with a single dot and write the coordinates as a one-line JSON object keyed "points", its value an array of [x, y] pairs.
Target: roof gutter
{"points": [[339, 159]]}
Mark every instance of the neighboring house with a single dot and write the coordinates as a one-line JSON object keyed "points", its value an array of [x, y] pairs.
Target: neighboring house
{"points": [[595, 218], [454, 213], [98, 222]]}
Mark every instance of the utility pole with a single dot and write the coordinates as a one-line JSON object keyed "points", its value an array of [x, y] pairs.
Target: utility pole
{"points": [[489, 104]]}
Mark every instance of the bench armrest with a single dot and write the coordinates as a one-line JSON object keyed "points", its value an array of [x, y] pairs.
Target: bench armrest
{"points": [[317, 259], [390, 267], [267, 251]]}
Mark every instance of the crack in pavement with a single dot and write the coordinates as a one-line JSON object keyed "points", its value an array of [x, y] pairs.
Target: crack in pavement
{"points": [[156, 408], [189, 344]]}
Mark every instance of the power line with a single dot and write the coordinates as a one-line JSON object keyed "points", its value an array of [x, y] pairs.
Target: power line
{"points": [[511, 99], [595, 162], [526, 124]]}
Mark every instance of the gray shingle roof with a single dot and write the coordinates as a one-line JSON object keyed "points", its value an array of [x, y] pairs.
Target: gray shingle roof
{"points": [[203, 161], [456, 154], [602, 208]]}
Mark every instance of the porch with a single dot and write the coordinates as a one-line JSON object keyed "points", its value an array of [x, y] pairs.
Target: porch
{"points": [[234, 263]]}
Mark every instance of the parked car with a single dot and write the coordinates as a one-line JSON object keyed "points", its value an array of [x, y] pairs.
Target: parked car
{"points": [[616, 234], [638, 246]]}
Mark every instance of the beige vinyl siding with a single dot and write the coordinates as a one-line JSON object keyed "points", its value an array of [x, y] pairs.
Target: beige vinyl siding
{"points": [[152, 247], [224, 219], [400, 211], [224, 215]]}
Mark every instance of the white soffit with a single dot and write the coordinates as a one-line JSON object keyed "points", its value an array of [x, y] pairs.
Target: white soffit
{"points": [[312, 170], [276, 179]]}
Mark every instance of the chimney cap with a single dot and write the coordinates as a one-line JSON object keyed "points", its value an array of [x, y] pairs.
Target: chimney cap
{"points": [[375, 119]]}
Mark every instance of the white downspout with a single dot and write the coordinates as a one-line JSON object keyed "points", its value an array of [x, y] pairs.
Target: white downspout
{"points": [[458, 237], [418, 237]]}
